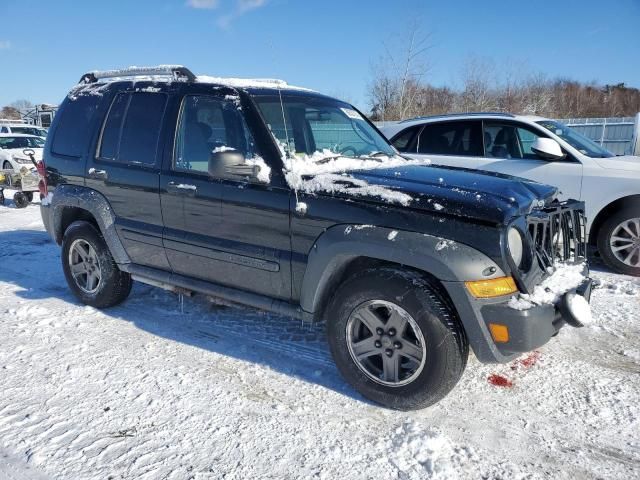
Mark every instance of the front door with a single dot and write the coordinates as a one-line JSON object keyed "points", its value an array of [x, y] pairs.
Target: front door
{"points": [[226, 231], [508, 150]]}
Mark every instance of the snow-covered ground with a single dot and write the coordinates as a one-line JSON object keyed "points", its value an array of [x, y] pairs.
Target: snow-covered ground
{"points": [[159, 389]]}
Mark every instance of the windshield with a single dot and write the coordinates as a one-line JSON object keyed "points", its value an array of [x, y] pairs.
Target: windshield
{"points": [[321, 127], [579, 142], [21, 142], [39, 132]]}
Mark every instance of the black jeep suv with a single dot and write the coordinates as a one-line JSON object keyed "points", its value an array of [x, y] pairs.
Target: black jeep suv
{"points": [[276, 197]]}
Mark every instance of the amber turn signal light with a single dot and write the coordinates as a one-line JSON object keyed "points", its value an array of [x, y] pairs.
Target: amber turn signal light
{"points": [[500, 333], [495, 287]]}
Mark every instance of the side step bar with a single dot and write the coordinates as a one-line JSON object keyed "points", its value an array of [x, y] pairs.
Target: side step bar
{"points": [[185, 285]]}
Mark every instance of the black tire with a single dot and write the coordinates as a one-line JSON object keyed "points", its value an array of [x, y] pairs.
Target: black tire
{"points": [[114, 285], [20, 200], [446, 345], [608, 228], [29, 196], [2, 199]]}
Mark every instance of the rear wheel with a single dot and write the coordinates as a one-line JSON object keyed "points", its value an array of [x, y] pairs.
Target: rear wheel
{"points": [[395, 338], [91, 272], [619, 241]]}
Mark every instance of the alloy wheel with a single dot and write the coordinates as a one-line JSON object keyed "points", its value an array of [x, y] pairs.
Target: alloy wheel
{"points": [[625, 242], [84, 266], [386, 343]]}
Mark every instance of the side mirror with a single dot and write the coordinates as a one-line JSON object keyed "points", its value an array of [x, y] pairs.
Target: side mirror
{"points": [[547, 148], [229, 162]]}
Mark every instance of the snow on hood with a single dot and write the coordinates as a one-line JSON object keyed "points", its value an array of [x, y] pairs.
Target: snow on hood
{"points": [[328, 172], [627, 163]]}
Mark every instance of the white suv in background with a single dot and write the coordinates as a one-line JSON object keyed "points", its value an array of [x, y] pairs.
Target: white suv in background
{"points": [[546, 151]]}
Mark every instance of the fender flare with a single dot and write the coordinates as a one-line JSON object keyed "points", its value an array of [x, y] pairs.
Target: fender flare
{"points": [[97, 205], [446, 260]]}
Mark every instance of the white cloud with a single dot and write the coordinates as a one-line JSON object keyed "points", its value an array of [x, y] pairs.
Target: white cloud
{"points": [[206, 4], [246, 5], [5, 44], [242, 7]]}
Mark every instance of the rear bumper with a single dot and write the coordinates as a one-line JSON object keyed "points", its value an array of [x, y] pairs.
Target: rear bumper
{"points": [[528, 329], [45, 213]]}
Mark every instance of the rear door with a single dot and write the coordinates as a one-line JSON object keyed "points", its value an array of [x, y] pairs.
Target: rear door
{"points": [[452, 143], [126, 170], [220, 229]]}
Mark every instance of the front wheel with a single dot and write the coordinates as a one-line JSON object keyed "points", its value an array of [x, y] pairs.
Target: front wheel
{"points": [[395, 338], [91, 272], [619, 241]]}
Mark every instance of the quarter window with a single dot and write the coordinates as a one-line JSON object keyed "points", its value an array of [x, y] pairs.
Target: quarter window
{"points": [[72, 133], [451, 138]]}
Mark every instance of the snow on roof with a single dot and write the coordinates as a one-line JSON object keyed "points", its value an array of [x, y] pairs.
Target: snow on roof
{"points": [[250, 82]]}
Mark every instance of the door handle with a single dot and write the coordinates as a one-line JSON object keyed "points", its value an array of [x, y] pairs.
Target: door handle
{"points": [[181, 188], [98, 174]]}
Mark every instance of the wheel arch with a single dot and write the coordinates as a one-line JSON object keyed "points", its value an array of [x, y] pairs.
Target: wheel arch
{"points": [[607, 211], [344, 249], [71, 203]]}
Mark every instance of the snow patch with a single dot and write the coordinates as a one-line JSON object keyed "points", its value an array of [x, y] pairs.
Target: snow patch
{"points": [[392, 235], [565, 277], [264, 170], [419, 454], [443, 243], [581, 309]]}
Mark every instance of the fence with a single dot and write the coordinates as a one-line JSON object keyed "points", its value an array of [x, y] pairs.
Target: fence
{"points": [[619, 135]]}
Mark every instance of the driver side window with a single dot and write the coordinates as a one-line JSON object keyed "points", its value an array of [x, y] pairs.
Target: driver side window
{"points": [[207, 125], [509, 141]]}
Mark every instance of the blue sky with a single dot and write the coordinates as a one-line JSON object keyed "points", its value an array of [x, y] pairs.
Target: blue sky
{"points": [[328, 45]]}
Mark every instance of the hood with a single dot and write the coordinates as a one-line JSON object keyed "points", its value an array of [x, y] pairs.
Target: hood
{"points": [[486, 196], [628, 163]]}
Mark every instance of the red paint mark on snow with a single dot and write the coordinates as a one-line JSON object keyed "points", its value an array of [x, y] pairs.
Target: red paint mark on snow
{"points": [[526, 362], [499, 381]]}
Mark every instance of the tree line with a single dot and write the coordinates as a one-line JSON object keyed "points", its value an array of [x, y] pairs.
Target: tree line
{"points": [[399, 88]]}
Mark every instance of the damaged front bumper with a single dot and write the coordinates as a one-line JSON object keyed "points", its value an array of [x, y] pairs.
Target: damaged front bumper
{"points": [[526, 329]]}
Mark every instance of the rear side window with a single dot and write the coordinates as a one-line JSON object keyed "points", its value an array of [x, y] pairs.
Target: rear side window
{"points": [[132, 128], [404, 141], [451, 138], [113, 126], [72, 134]]}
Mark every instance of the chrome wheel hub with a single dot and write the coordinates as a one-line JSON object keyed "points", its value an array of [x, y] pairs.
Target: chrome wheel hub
{"points": [[625, 242], [386, 343], [84, 266]]}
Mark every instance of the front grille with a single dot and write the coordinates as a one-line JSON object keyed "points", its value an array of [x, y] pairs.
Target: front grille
{"points": [[558, 234]]}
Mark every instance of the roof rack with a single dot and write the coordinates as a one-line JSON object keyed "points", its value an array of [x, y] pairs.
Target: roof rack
{"points": [[468, 114], [178, 72]]}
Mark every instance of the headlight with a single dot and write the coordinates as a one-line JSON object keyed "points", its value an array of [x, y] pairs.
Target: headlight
{"points": [[516, 245]]}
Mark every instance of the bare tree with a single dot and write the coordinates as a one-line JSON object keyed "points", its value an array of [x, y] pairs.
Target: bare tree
{"points": [[398, 74], [477, 93]]}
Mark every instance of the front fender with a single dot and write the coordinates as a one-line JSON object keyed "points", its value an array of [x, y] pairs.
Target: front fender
{"points": [[446, 260]]}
